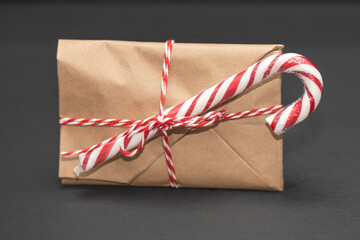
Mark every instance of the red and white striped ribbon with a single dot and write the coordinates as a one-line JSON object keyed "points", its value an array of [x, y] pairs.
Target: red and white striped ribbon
{"points": [[186, 113], [165, 138]]}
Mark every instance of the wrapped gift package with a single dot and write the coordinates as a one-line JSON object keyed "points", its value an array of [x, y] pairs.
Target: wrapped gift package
{"points": [[121, 80]]}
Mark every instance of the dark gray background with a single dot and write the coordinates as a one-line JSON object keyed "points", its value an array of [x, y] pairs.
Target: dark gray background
{"points": [[321, 199]]}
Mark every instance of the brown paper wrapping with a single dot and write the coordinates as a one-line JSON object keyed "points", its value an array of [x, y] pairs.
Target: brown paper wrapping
{"points": [[120, 79]]}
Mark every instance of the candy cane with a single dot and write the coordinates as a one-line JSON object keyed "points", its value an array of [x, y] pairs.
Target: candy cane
{"points": [[279, 122]]}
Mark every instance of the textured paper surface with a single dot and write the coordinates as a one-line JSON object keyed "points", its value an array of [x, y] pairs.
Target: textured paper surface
{"points": [[119, 79]]}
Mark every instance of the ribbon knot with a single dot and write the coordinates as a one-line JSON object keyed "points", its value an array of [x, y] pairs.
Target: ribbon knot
{"points": [[164, 123]]}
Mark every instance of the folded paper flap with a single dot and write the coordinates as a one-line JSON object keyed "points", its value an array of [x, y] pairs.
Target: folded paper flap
{"points": [[119, 79]]}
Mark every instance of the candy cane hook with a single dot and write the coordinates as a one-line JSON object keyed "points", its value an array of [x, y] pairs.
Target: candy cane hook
{"points": [[313, 85]]}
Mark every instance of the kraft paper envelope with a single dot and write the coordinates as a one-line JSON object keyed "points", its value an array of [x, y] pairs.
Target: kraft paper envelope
{"points": [[121, 79]]}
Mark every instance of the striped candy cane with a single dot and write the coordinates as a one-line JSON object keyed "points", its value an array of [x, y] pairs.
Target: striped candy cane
{"points": [[185, 114]]}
